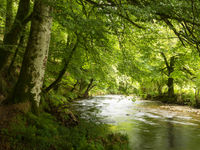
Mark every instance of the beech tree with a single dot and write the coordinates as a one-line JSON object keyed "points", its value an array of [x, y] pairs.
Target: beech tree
{"points": [[29, 84]]}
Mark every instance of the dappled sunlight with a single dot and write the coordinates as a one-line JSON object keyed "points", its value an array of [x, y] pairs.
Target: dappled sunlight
{"points": [[77, 59]]}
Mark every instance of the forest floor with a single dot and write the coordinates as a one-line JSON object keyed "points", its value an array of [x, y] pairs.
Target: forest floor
{"points": [[8, 113]]}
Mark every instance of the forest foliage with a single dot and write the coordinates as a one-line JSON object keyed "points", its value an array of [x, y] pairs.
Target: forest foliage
{"points": [[101, 47], [52, 52]]}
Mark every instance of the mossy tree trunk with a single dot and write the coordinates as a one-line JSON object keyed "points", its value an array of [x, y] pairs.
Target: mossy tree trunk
{"points": [[9, 15], [28, 87], [20, 45], [170, 70], [11, 38]]}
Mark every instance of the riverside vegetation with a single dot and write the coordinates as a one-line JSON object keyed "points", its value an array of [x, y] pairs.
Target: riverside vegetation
{"points": [[54, 52]]}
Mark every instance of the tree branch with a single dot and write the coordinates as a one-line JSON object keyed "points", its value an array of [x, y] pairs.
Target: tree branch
{"points": [[166, 62], [127, 18]]}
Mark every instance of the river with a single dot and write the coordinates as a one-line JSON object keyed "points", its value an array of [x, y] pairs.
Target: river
{"points": [[147, 124]]}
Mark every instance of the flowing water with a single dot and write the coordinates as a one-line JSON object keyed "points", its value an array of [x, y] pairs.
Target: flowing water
{"points": [[148, 125]]}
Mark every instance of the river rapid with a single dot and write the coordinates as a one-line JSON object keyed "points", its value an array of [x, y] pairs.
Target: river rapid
{"points": [[150, 125]]}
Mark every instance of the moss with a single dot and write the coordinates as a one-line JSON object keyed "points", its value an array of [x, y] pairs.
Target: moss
{"points": [[43, 132]]}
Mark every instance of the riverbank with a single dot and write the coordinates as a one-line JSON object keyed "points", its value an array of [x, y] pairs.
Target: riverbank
{"points": [[177, 106], [182, 109], [45, 131]]}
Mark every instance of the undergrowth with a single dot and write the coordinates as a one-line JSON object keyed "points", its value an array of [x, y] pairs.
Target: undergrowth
{"points": [[44, 132]]}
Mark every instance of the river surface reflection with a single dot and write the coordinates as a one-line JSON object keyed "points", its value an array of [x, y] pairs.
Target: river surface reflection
{"points": [[148, 126]]}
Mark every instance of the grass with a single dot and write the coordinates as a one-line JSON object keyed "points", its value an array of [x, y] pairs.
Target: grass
{"points": [[44, 132]]}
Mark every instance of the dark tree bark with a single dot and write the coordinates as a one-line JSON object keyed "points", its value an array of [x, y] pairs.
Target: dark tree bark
{"points": [[9, 15], [15, 54], [170, 69], [29, 84], [170, 83], [12, 37]]}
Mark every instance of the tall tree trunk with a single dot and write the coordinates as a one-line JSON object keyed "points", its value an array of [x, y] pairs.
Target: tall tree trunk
{"points": [[28, 87], [170, 82], [9, 15], [170, 85], [12, 37], [21, 42], [62, 72], [170, 69]]}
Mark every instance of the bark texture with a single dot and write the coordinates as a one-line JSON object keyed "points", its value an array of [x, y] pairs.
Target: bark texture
{"points": [[12, 37], [28, 87], [170, 69], [170, 83], [9, 15], [21, 42]]}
